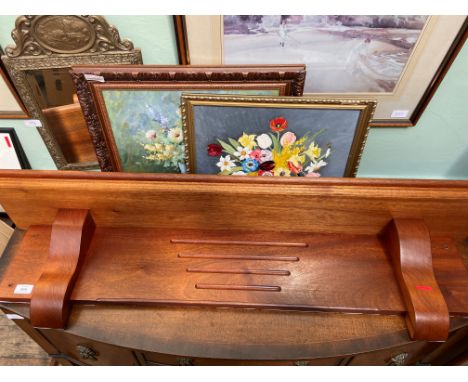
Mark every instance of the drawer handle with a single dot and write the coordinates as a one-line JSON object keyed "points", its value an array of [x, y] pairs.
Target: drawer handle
{"points": [[302, 363], [399, 359], [86, 352]]}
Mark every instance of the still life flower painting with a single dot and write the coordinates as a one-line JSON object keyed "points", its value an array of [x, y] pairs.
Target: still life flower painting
{"points": [[257, 136], [277, 153]]}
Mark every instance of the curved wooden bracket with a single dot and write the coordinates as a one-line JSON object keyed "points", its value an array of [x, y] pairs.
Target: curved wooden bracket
{"points": [[409, 245], [71, 236]]}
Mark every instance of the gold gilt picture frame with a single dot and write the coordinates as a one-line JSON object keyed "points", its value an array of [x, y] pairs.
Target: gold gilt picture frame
{"points": [[46, 46], [274, 136]]}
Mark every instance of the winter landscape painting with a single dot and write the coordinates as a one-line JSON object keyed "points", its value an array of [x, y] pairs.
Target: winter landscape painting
{"points": [[343, 54]]}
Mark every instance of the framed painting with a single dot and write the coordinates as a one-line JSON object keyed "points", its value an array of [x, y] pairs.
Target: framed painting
{"points": [[11, 106], [397, 60], [133, 112], [12, 156], [274, 136]]}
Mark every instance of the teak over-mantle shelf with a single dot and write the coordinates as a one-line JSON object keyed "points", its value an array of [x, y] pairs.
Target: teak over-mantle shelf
{"points": [[337, 245]]}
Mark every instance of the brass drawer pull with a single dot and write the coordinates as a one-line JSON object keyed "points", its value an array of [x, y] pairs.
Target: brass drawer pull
{"points": [[86, 352], [399, 359], [302, 363], [184, 361]]}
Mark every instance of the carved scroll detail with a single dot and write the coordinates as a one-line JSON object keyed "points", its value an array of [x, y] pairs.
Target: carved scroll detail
{"points": [[71, 236], [69, 34], [409, 245]]}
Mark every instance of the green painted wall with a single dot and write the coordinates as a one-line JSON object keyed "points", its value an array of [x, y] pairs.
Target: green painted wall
{"points": [[436, 148]]}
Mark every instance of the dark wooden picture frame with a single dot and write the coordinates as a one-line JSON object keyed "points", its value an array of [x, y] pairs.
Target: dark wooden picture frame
{"points": [[15, 142], [287, 79], [181, 39], [412, 120]]}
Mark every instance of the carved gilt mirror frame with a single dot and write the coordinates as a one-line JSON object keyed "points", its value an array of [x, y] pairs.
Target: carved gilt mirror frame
{"points": [[58, 42]]}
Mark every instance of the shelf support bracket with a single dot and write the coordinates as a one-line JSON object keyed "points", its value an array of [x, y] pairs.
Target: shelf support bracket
{"points": [[409, 245], [72, 232]]}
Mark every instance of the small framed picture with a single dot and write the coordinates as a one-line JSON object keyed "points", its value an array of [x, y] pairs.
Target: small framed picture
{"points": [[12, 156], [274, 136]]}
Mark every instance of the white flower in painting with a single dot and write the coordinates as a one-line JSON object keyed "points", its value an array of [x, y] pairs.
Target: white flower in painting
{"points": [[327, 154], [225, 163], [264, 141], [151, 134], [242, 153], [175, 135], [316, 166], [240, 173], [265, 156]]}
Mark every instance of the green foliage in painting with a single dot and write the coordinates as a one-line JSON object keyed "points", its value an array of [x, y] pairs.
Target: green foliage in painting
{"points": [[147, 127]]}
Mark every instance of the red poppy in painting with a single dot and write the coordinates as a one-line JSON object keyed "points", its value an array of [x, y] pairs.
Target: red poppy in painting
{"points": [[295, 169], [214, 150], [278, 124]]}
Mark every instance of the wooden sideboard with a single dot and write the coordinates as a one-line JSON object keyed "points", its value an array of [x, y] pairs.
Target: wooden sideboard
{"points": [[142, 269]]}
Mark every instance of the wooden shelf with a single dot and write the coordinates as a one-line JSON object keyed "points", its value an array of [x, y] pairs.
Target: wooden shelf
{"points": [[343, 246]]}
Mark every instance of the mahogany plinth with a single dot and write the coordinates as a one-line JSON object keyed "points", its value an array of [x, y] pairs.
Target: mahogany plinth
{"points": [[409, 245], [70, 238]]}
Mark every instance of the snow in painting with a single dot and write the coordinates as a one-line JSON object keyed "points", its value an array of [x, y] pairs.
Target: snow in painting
{"points": [[343, 54]]}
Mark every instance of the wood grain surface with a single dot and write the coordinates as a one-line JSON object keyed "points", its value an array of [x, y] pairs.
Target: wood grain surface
{"points": [[259, 243], [70, 237], [357, 206], [236, 333], [69, 128], [352, 274], [5, 233], [17, 348], [409, 245]]}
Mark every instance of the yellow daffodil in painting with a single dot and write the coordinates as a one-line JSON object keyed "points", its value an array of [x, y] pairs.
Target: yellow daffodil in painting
{"points": [[247, 140], [270, 154], [313, 151]]}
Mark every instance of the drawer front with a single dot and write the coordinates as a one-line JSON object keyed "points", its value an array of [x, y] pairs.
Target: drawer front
{"points": [[157, 359], [81, 350], [399, 356]]}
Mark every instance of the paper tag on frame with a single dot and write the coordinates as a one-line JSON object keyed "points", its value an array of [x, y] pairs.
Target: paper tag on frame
{"points": [[14, 316], [399, 114], [93, 77], [23, 289], [33, 123]]}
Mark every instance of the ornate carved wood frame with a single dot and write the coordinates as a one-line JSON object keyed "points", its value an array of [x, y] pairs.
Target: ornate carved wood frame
{"points": [[288, 79], [84, 40]]}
